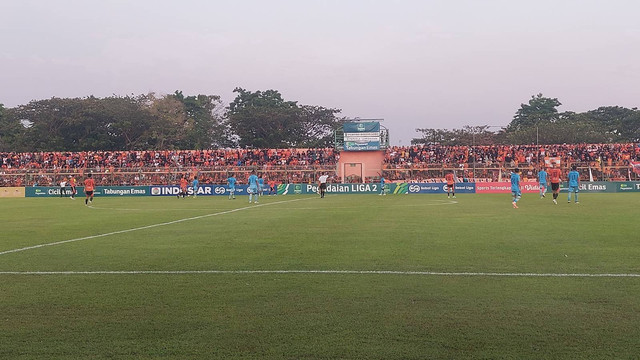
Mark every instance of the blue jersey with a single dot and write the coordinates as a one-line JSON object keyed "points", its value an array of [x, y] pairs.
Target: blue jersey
{"points": [[542, 177], [194, 184], [231, 182], [574, 177], [381, 181], [253, 181], [515, 182], [260, 183]]}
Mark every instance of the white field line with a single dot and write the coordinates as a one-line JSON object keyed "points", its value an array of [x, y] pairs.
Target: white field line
{"points": [[348, 272], [145, 227]]}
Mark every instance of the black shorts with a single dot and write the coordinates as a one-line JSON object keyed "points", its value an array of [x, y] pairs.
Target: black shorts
{"points": [[89, 193], [323, 186], [555, 186], [450, 186]]}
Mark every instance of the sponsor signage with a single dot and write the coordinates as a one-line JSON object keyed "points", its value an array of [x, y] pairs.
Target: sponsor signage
{"points": [[628, 187], [362, 127], [362, 145], [203, 190], [50, 191], [296, 189], [505, 187], [356, 188], [119, 191], [361, 136], [595, 186], [438, 188]]}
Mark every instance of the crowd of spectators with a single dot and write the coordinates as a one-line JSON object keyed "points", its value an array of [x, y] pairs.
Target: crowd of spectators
{"points": [[489, 163], [422, 156], [220, 158], [164, 167], [421, 163]]}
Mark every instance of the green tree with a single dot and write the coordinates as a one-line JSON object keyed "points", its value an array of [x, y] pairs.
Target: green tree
{"points": [[468, 135], [204, 127], [10, 130], [263, 119], [622, 124], [84, 124], [318, 126], [170, 125], [540, 110]]}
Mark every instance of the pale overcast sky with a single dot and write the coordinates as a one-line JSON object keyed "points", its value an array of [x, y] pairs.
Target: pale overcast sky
{"points": [[415, 63]]}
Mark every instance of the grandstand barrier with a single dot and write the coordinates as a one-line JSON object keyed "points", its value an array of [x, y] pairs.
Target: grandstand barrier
{"points": [[12, 192], [305, 189]]}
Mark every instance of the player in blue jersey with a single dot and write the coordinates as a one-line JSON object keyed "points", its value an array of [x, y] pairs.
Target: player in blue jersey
{"points": [[574, 183], [260, 185], [194, 186], [253, 187], [515, 187], [542, 182], [231, 184], [382, 189]]}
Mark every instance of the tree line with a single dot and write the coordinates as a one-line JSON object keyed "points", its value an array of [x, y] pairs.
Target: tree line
{"points": [[264, 119], [261, 119], [539, 122]]}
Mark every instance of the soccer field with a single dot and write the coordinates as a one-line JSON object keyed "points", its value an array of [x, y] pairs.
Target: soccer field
{"points": [[299, 277]]}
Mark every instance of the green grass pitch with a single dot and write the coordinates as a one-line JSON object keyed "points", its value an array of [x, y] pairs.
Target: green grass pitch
{"points": [[299, 277]]}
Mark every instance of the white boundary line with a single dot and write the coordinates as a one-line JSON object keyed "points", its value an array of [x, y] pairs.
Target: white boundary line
{"points": [[348, 272], [146, 227]]}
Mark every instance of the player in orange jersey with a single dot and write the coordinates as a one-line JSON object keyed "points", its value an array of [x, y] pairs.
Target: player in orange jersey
{"points": [[89, 187], [554, 177], [183, 187], [451, 190]]}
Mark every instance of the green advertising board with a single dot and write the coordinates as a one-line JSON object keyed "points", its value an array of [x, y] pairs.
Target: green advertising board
{"points": [[50, 191], [628, 187], [593, 186]]}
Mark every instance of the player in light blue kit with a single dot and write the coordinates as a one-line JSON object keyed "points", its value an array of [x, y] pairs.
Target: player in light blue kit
{"points": [[383, 191], [231, 184], [574, 183], [542, 182], [253, 186], [260, 185], [515, 187], [194, 185]]}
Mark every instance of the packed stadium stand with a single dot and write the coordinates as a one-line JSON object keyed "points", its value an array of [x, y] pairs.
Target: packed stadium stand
{"points": [[420, 163]]}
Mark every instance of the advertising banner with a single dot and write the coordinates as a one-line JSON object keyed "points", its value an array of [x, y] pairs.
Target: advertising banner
{"points": [[505, 187], [628, 187], [362, 145], [303, 189], [439, 188], [49, 191], [203, 190], [361, 136], [118, 191], [361, 127], [596, 186], [360, 188]]}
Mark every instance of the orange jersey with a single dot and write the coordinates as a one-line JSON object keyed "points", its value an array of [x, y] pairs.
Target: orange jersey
{"points": [[449, 178], [183, 183], [89, 184], [554, 175]]}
